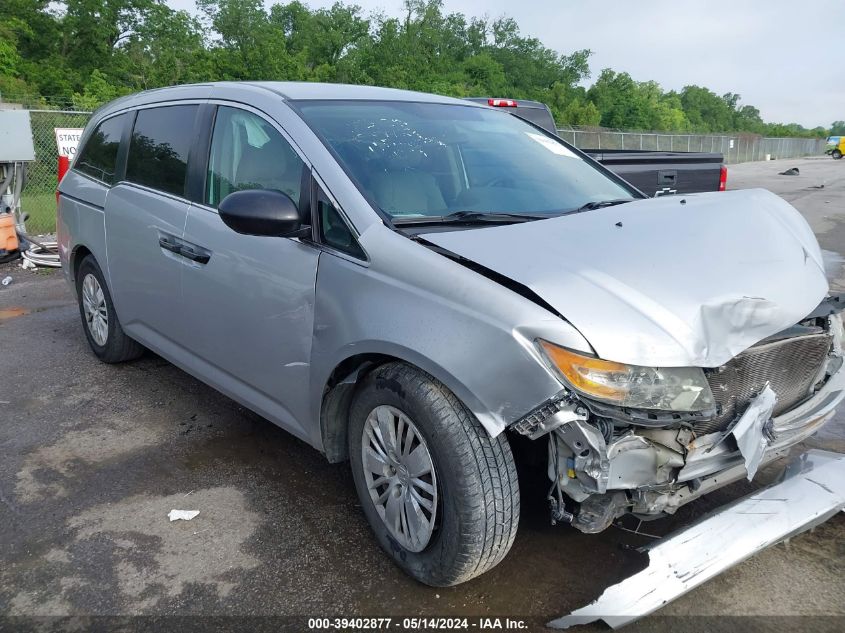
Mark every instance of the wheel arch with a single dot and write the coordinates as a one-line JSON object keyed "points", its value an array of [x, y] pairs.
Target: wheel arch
{"points": [[79, 252], [346, 376]]}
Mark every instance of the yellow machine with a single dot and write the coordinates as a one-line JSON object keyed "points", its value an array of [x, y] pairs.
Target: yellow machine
{"points": [[836, 146]]}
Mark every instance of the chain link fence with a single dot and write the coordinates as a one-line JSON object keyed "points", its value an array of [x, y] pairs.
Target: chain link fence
{"points": [[737, 148], [39, 199]]}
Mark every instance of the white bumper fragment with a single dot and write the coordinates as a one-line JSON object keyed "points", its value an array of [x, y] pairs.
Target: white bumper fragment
{"points": [[810, 491]]}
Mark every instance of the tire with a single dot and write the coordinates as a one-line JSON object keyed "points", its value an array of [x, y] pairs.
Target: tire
{"points": [[109, 343], [837, 154], [474, 477]]}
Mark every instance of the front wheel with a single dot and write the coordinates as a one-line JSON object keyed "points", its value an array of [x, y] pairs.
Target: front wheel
{"points": [[837, 154], [441, 495]]}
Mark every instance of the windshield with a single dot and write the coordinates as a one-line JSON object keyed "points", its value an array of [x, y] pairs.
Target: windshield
{"points": [[418, 160]]}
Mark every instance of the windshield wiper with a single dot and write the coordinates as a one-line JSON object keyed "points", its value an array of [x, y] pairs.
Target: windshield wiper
{"points": [[459, 217], [598, 204]]}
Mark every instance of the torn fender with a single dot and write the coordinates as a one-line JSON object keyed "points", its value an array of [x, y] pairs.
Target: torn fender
{"points": [[810, 491]]}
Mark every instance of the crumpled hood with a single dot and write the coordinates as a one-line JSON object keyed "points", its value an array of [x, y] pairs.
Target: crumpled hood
{"points": [[664, 282]]}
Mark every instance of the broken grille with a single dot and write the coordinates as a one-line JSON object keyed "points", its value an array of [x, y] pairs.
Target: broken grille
{"points": [[791, 366]]}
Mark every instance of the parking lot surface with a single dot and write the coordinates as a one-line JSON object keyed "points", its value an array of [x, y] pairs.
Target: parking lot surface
{"points": [[95, 456]]}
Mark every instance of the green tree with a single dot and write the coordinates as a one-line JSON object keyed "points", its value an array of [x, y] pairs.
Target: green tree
{"points": [[748, 119], [621, 101], [705, 110], [98, 90], [166, 48], [88, 51], [250, 46]]}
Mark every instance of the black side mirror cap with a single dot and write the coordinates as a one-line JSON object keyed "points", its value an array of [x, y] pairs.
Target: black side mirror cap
{"points": [[261, 212]]}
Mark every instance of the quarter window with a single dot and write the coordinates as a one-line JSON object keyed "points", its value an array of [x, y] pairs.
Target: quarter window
{"points": [[334, 231], [158, 152], [98, 158], [249, 153]]}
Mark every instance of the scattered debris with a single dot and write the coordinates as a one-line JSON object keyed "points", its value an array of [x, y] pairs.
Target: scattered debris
{"points": [[28, 265], [7, 280], [792, 171], [186, 515], [810, 491]]}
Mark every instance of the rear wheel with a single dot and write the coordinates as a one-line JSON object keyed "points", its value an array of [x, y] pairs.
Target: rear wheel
{"points": [[99, 320], [837, 154], [440, 494]]}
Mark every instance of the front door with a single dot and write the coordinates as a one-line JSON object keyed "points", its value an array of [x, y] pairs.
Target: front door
{"points": [[250, 304]]}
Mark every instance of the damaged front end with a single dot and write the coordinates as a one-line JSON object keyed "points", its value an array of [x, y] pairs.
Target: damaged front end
{"points": [[810, 491], [625, 439]]}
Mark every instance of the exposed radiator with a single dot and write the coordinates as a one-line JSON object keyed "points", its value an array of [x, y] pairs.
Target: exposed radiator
{"points": [[791, 366]]}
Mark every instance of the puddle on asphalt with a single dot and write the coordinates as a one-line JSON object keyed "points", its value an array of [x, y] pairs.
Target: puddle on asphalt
{"points": [[11, 313]]}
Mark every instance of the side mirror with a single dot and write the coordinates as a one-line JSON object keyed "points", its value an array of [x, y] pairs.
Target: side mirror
{"points": [[260, 212]]}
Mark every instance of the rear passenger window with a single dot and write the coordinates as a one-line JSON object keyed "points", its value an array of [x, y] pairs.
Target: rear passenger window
{"points": [[98, 158], [249, 153], [158, 152]]}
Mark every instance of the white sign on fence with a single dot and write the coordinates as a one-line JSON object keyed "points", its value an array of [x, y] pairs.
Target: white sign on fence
{"points": [[67, 138]]}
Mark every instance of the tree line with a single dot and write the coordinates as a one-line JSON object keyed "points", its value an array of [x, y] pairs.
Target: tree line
{"points": [[82, 53]]}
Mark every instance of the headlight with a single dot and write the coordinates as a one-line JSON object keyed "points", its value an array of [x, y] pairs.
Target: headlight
{"points": [[671, 389]]}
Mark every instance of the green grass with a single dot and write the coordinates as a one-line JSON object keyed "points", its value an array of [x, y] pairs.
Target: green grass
{"points": [[41, 208]]}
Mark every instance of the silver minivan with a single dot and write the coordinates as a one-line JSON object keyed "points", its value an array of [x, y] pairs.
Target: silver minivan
{"points": [[409, 282]]}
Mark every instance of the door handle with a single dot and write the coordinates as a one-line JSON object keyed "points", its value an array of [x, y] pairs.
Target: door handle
{"points": [[183, 249], [194, 256], [170, 245]]}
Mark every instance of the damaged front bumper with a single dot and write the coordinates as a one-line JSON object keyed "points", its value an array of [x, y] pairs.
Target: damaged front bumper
{"points": [[603, 466], [639, 472], [811, 490]]}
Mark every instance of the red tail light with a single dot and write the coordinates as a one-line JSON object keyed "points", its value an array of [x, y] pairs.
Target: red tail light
{"points": [[723, 178], [502, 103]]}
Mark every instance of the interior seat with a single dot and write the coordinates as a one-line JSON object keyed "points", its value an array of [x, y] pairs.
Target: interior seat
{"points": [[403, 188], [267, 167]]}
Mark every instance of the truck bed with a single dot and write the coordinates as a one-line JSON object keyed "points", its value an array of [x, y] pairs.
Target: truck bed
{"points": [[654, 172]]}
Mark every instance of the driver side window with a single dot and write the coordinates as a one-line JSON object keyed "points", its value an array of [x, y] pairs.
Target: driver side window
{"points": [[249, 153]]}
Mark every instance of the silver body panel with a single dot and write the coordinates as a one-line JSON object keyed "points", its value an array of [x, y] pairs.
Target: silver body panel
{"points": [[275, 281], [408, 312], [358, 306], [667, 282], [146, 280]]}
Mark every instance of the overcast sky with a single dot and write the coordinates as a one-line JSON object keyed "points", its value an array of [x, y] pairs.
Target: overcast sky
{"points": [[785, 57]]}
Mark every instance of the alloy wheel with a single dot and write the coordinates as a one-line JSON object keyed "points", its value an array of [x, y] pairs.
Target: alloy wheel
{"points": [[94, 307], [400, 476]]}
